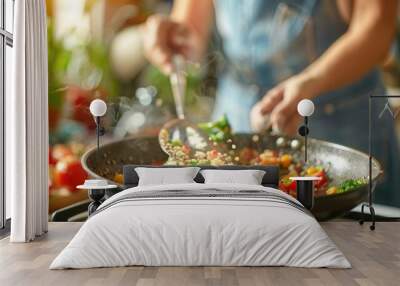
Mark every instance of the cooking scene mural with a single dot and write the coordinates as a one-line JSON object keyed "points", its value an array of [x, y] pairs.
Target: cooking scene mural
{"points": [[218, 83]]}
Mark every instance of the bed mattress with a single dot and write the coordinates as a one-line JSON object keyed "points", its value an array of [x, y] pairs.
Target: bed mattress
{"points": [[201, 225]]}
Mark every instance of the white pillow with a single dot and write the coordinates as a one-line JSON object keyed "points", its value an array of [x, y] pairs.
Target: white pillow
{"points": [[248, 177], [164, 176]]}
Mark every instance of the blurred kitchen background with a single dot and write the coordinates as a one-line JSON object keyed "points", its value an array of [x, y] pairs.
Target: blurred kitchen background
{"points": [[95, 51]]}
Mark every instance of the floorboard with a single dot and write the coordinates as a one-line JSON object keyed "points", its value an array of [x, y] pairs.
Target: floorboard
{"points": [[375, 257]]}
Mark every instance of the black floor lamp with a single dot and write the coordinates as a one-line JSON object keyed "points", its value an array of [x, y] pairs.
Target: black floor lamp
{"points": [[369, 205]]}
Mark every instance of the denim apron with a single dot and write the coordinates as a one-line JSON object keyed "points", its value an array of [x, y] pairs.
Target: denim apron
{"points": [[266, 41]]}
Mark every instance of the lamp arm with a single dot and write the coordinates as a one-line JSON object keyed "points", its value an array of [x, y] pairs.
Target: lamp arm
{"points": [[100, 131], [305, 138]]}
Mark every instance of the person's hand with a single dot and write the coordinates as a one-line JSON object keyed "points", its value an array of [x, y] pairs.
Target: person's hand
{"points": [[259, 122], [164, 38], [280, 104]]}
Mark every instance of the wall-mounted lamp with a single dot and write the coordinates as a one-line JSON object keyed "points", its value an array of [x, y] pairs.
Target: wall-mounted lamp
{"points": [[98, 108], [305, 185], [305, 108]]}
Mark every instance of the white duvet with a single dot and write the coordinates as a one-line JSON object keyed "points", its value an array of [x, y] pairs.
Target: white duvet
{"points": [[206, 230]]}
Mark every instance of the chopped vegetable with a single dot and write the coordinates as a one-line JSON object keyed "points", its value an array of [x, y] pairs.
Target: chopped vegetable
{"points": [[312, 170], [176, 143], [287, 185], [318, 171], [219, 133], [247, 154], [351, 184], [269, 157], [286, 160], [331, 191], [119, 178]]}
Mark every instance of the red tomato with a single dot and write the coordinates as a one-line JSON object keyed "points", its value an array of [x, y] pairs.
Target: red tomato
{"points": [[287, 185], [69, 173], [323, 181], [52, 160], [60, 151], [293, 186], [283, 189]]}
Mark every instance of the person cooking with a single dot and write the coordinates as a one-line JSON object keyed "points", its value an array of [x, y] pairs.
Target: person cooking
{"points": [[277, 53]]}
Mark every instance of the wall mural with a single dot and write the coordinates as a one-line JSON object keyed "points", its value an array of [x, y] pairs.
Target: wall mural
{"points": [[99, 50]]}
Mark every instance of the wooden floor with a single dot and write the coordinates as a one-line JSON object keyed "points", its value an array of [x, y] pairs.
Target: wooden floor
{"points": [[375, 257]]}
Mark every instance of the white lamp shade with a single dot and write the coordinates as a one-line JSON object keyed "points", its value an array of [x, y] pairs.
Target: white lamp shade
{"points": [[305, 107], [98, 107]]}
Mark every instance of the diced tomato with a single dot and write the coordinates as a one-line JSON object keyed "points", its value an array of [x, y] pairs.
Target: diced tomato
{"points": [[52, 160], [318, 172], [324, 179], [293, 186], [69, 173], [287, 185]]}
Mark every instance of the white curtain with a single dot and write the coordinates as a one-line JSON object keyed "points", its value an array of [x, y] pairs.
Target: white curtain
{"points": [[27, 124]]}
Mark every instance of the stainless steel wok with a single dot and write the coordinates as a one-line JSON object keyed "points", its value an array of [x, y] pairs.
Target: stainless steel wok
{"points": [[342, 163]]}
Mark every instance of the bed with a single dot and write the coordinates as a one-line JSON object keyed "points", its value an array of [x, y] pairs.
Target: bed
{"points": [[198, 224]]}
